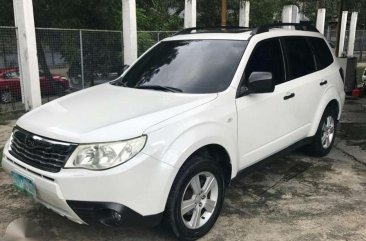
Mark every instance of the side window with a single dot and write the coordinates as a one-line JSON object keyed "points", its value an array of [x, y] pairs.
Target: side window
{"points": [[267, 57], [300, 59], [323, 55]]}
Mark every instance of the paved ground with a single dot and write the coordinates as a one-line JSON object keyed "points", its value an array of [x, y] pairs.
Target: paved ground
{"points": [[290, 198]]}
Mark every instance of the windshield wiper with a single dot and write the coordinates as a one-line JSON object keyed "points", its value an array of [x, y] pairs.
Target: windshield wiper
{"points": [[159, 87]]}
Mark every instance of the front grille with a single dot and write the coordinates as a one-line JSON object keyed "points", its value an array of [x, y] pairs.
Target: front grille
{"points": [[42, 153]]}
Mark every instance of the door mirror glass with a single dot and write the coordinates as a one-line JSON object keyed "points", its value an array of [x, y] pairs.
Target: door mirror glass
{"points": [[261, 82]]}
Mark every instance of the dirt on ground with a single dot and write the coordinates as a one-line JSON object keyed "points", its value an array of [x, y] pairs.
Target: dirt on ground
{"points": [[295, 197]]}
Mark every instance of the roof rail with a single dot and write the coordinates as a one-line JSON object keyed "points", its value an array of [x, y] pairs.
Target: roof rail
{"points": [[235, 29], [298, 26]]}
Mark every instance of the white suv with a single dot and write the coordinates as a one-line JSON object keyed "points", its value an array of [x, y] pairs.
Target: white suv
{"points": [[169, 134]]}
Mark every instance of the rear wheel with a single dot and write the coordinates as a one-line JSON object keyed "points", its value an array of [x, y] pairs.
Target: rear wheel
{"points": [[196, 198], [325, 135]]}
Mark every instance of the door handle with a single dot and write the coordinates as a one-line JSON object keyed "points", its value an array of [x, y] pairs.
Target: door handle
{"points": [[289, 96], [324, 82]]}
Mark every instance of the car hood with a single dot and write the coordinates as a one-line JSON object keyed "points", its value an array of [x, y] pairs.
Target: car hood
{"points": [[107, 113]]}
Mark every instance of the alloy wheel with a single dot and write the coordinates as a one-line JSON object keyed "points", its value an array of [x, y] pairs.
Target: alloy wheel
{"points": [[327, 132], [199, 200]]}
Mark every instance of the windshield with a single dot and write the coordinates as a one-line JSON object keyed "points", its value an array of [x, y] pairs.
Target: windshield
{"points": [[188, 66]]}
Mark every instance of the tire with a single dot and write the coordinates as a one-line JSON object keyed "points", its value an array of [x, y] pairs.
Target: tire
{"points": [[6, 96], [325, 135], [185, 191]]}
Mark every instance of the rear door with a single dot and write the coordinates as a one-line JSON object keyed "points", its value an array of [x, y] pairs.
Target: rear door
{"points": [[307, 75]]}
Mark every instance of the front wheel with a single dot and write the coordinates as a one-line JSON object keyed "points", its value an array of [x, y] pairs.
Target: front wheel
{"points": [[324, 138], [196, 198]]}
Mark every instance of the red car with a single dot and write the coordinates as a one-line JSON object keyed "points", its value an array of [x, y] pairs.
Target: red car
{"points": [[10, 89]]}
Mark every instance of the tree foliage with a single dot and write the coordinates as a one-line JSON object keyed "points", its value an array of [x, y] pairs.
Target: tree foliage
{"points": [[165, 14]]}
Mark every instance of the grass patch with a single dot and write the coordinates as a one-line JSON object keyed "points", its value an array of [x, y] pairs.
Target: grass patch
{"points": [[6, 117], [359, 73]]}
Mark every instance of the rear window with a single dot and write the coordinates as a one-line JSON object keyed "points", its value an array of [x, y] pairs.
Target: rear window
{"points": [[190, 66], [322, 53], [300, 59]]}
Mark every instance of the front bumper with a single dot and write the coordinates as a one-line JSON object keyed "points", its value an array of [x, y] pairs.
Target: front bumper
{"points": [[137, 190]]}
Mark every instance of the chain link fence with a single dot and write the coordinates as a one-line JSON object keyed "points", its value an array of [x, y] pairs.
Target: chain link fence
{"points": [[69, 60]]}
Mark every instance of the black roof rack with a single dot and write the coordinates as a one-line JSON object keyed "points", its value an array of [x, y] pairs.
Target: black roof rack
{"points": [[298, 26], [237, 29], [215, 29]]}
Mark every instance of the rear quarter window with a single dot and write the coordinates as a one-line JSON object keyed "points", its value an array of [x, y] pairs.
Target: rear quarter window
{"points": [[322, 52]]}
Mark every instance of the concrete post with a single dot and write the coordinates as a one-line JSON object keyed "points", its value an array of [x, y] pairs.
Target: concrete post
{"points": [[190, 14], [244, 14], [27, 53], [320, 20], [290, 14], [352, 34], [82, 59], [342, 33], [129, 31]]}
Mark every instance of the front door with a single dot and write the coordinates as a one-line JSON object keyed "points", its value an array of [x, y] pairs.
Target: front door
{"points": [[264, 120]]}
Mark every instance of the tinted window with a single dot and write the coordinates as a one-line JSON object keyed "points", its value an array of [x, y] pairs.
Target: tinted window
{"points": [[300, 58], [267, 57], [323, 55], [194, 66]]}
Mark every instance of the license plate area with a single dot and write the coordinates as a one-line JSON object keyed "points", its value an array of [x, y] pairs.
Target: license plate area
{"points": [[24, 184]]}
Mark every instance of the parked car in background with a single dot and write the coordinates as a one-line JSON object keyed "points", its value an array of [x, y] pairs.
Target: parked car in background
{"points": [[10, 89]]}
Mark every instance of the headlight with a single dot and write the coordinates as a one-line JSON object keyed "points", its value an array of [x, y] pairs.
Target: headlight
{"points": [[105, 155]]}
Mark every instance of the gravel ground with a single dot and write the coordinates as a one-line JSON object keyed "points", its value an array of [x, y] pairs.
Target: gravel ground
{"points": [[294, 197]]}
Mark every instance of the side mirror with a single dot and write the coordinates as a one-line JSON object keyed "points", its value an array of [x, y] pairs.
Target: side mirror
{"points": [[261, 82]]}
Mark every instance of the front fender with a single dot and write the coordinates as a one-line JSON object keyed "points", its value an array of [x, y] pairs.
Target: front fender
{"points": [[174, 146]]}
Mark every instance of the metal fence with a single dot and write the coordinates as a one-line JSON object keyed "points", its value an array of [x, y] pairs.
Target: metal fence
{"points": [[69, 60]]}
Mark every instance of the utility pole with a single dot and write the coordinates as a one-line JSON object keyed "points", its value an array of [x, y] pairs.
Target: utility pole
{"points": [[223, 12]]}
